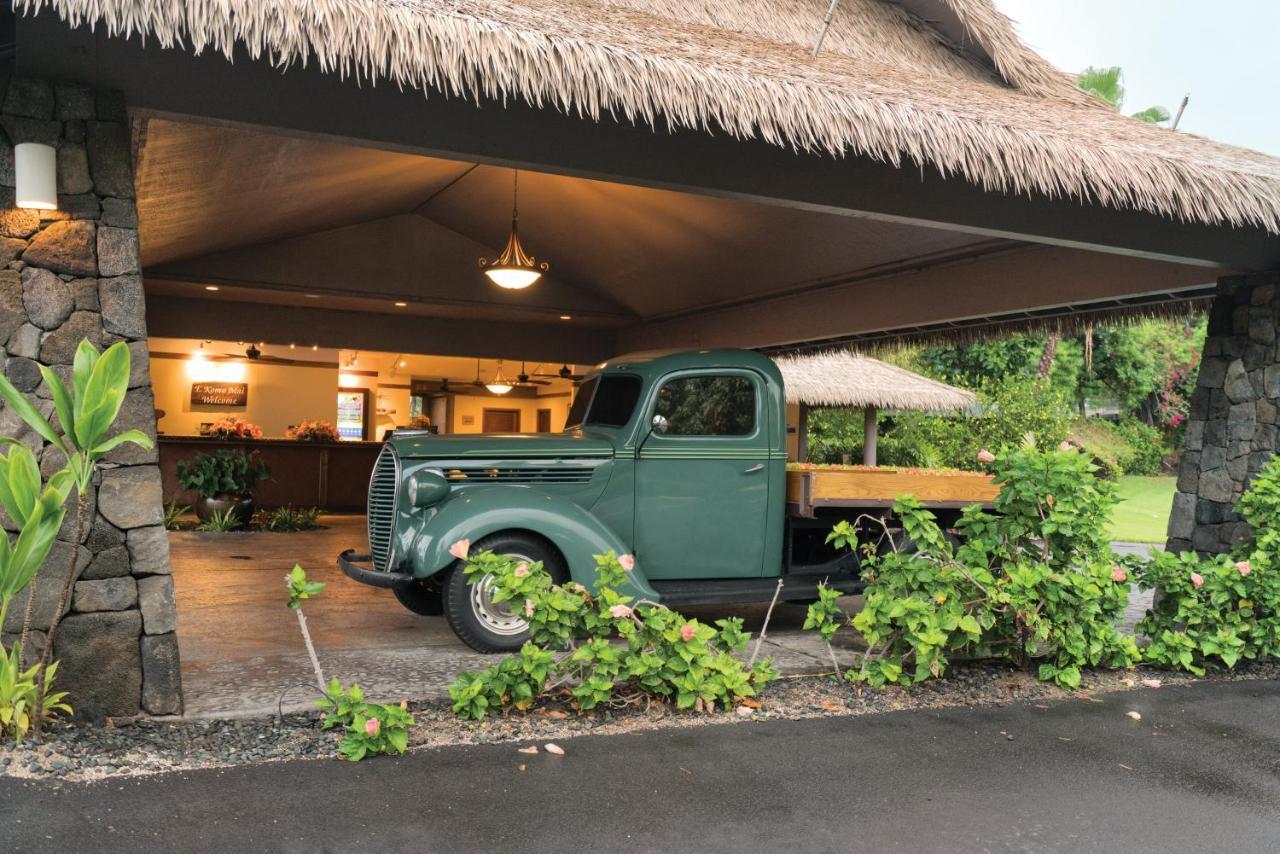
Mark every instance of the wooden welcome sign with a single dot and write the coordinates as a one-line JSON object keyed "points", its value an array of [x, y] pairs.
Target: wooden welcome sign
{"points": [[220, 394]]}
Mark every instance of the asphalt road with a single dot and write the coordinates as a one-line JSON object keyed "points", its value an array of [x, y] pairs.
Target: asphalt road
{"points": [[1199, 772]]}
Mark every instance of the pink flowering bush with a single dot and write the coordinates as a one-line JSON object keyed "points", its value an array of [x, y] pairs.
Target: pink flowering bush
{"points": [[662, 655], [1220, 610], [1035, 581], [234, 428], [371, 728], [313, 431]]}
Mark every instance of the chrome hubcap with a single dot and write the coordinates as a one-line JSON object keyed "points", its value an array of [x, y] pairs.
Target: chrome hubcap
{"points": [[498, 617]]}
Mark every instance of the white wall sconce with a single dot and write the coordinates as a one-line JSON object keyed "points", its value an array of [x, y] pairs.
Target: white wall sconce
{"points": [[35, 167]]}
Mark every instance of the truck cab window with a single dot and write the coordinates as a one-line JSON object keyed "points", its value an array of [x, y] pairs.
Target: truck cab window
{"points": [[606, 401], [708, 406]]}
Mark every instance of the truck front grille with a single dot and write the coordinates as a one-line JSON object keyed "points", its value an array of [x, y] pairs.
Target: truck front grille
{"points": [[502, 474], [382, 506]]}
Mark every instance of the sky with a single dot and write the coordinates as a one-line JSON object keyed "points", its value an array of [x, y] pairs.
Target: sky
{"points": [[1223, 52]]}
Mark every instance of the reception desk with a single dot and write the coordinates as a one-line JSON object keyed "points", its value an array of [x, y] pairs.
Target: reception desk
{"points": [[333, 476]]}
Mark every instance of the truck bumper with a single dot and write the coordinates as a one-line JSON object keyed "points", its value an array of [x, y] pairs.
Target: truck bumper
{"points": [[349, 562]]}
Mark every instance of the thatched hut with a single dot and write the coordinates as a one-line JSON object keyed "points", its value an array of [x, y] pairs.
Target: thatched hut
{"points": [[848, 380]]}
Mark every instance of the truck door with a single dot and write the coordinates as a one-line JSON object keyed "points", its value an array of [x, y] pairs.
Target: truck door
{"points": [[702, 484]]}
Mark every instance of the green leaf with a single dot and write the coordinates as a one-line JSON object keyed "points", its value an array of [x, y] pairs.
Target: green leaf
{"points": [[61, 399], [137, 437], [86, 357], [103, 396], [29, 413]]}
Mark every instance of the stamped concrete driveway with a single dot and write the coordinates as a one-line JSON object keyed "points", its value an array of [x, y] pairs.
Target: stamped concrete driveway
{"points": [[242, 653]]}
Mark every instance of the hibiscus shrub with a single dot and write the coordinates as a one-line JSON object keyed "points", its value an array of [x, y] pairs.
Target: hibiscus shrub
{"points": [[371, 728], [1034, 581], [1220, 610], [663, 656]]}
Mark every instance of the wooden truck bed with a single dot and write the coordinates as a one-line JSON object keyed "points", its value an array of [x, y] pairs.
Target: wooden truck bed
{"points": [[812, 486]]}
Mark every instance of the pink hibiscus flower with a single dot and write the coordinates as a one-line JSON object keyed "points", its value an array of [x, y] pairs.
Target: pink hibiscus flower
{"points": [[1197, 580], [372, 727], [522, 570], [1243, 567], [985, 456], [687, 631], [460, 549], [1118, 574], [620, 612], [627, 562]]}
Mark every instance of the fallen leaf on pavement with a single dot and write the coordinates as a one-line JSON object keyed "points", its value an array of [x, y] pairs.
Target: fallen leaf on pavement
{"points": [[1125, 767], [829, 706], [744, 711], [750, 703], [554, 713], [1063, 738], [1152, 683], [533, 749], [554, 748], [1134, 715]]}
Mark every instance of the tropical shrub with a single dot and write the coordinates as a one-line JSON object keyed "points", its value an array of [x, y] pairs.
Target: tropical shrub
{"points": [[1219, 610], [86, 411], [225, 472], [18, 692], [313, 431], [173, 511], [371, 728], [233, 428], [1011, 410], [221, 521], [663, 656], [286, 519], [1034, 581]]}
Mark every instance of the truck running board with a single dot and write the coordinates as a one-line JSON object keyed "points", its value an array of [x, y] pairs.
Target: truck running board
{"points": [[737, 591]]}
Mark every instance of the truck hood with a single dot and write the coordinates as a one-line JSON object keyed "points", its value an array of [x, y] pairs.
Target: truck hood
{"points": [[423, 445]]}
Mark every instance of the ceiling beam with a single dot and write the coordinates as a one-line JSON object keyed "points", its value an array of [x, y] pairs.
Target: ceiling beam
{"points": [[173, 83], [178, 317]]}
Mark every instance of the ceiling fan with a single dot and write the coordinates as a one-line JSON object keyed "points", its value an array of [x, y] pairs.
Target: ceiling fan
{"points": [[565, 373], [253, 353], [522, 379]]}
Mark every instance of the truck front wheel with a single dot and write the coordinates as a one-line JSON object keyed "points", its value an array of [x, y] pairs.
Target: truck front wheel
{"points": [[481, 623]]}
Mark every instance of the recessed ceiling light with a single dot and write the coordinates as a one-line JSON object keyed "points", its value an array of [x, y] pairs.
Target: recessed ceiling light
{"points": [[566, 317], [315, 346], [211, 287], [401, 304], [292, 346], [312, 296], [403, 363]]}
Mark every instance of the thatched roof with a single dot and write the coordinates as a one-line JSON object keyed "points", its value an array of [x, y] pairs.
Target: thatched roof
{"points": [[839, 378], [943, 83]]}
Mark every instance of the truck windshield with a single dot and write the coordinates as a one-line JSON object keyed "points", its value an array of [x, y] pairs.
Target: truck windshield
{"points": [[611, 400]]}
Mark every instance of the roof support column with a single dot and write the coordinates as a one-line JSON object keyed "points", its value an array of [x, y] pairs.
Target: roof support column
{"points": [[1234, 428]]}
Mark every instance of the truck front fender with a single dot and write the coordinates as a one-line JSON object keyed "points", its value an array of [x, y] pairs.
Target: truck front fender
{"points": [[475, 514]]}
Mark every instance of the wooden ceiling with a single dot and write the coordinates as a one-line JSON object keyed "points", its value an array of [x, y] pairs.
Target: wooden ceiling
{"points": [[215, 199]]}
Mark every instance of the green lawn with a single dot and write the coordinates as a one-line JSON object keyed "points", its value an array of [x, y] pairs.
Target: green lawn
{"points": [[1143, 512]]}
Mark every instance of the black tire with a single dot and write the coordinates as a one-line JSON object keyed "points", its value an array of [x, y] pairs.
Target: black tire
{"points": [[492, 628], [423, 597]]}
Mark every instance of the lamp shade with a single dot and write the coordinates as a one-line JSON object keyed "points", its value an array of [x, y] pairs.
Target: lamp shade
{"points": [[36, 170]]}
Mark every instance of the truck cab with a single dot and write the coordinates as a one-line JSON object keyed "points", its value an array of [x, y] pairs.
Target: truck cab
{"points": [[676, 458]]}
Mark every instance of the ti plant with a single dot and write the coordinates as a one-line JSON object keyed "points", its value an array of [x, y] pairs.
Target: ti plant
{"points": [[300, 587], [86, 413]]}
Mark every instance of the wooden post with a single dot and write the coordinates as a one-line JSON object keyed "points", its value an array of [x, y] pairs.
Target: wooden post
{"points": [[869, 437], [802, 435]]}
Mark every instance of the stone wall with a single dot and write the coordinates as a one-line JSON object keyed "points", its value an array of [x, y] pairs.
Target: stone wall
{"points": [[1234, 426], [65, 275]]}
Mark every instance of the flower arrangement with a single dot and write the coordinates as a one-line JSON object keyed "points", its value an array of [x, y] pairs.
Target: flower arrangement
{"points": [[234, 428], [313, 431]]}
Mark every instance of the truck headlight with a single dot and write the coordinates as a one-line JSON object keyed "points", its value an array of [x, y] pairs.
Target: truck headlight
{"points": [[426, 488]]}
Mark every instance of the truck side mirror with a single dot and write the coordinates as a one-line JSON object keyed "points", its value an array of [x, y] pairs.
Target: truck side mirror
{"points": [[659, 425]]}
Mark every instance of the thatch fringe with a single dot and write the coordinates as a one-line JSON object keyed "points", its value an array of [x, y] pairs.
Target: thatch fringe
{"points": [[729, 72], [1068, 323], [841, 378]]}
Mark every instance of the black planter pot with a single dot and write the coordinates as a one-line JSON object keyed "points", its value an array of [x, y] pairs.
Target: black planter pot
{"points": [[242, 506]]}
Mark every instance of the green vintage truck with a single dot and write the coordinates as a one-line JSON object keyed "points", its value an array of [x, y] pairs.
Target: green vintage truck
{"points": [[677, 458]]}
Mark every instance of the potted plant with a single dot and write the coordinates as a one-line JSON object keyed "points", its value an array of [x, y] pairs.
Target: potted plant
{"points": [[234, 428], [313, 431], [224, 480]]}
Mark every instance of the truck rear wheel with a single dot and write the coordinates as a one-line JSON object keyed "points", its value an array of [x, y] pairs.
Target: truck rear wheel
{"points": [[481, 623]]}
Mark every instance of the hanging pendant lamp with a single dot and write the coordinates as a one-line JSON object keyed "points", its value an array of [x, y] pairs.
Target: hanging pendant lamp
{"points": [[513, 269], [499, 385]]}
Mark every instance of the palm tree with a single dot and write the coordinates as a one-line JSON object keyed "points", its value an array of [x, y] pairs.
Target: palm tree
{"points": [[1105, 83]]}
